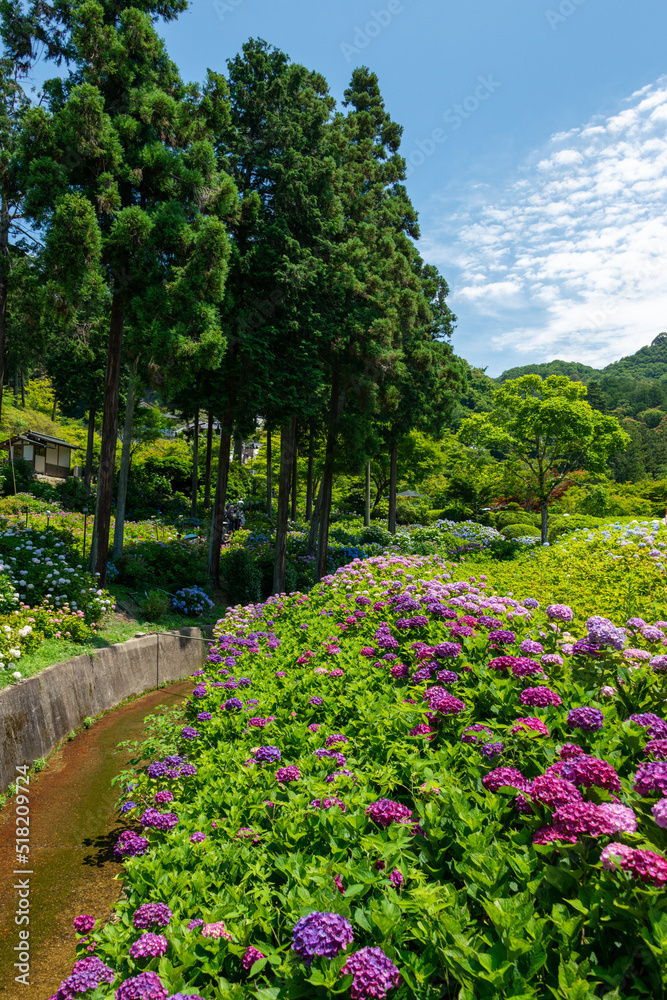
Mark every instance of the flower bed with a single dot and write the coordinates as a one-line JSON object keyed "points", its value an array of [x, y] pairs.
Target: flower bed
{"points": [[399, 785]]}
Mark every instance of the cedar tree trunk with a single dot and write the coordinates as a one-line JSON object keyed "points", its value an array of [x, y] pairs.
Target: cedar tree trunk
{"points": [[125, 456], [109, 438], [287, 450]]}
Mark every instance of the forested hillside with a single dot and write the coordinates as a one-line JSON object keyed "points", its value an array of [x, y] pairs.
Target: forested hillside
{"points": [[635, 390]]}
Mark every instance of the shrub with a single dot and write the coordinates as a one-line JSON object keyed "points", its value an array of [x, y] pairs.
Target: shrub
{"points": [[23, 474], [73, 495], [191, 601], [375, 535], [175, 564], [155, 605], [242, 576], [506, 517], [521, 529]]}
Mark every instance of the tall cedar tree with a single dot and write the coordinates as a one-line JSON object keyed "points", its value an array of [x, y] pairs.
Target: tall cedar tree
{"points": [[13, 107], [276, 146], [122, 174], [376, 298]]}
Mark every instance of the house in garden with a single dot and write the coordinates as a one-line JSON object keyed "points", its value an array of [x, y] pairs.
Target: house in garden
{"points": [[49, 456]]}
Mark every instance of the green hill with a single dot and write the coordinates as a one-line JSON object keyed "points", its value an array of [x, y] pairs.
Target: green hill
{"points": [[574, 370]]}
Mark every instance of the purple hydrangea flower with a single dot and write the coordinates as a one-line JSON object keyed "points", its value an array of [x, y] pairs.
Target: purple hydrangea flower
{"points": [[188, 733], [156, 770], [316, 701], [502, 636], [325, 934], [197, 837], [204, 717], [656, 728], [233, 705], [559, 612], [151, 915], [188, 770], [87, 974], [145, 986], [651, 778], [469, 734], [127, 807], [267, 755], [129, 845], [447, 650], [149, 946], [156, 820], [589, 720], [374, 974], [491, 750], [659, 664]]}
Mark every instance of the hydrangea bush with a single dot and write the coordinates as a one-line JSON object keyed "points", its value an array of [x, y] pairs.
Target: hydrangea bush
{"points": [[489, 821]]}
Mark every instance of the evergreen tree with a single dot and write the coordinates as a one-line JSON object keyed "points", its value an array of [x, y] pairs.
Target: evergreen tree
{"points": [[125, 146]]}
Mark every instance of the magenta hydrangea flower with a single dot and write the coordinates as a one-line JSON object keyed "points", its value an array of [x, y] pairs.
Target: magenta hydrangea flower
{"points": [[539, 697], [502, 663], [151, 915], [656, 749], [325, 934], [553, 791], [197, 837], [335, 738], [316, 701], [502, 777], [386, 811], [374, 974], [574, 818], [161, 798], [286, 774], [659, 811], [620, 819], [446, 704], [84, 923], [327, 804], [614, 855], [423, 729], [149, 946], [250, 956], [396, 878], [145, 986], [523, 666], [589, 772], [529, 725], [399, 671], [589, 720], [647, 866]]}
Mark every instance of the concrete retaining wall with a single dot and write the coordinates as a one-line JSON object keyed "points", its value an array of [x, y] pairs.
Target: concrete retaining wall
{"points": [[36, 714]]}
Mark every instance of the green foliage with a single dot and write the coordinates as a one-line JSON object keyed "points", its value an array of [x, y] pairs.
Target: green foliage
{"points": [[73, 495], [375, 534], [155, 605], [22, 472], [9, 595], [242, 575], [522, 529], [175, 564]]}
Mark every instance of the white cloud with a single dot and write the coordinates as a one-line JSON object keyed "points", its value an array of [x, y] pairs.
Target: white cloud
{"points": [[570, 259]]}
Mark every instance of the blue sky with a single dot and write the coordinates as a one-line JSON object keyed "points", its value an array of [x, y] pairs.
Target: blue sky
{"points": [[536, 133]]}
